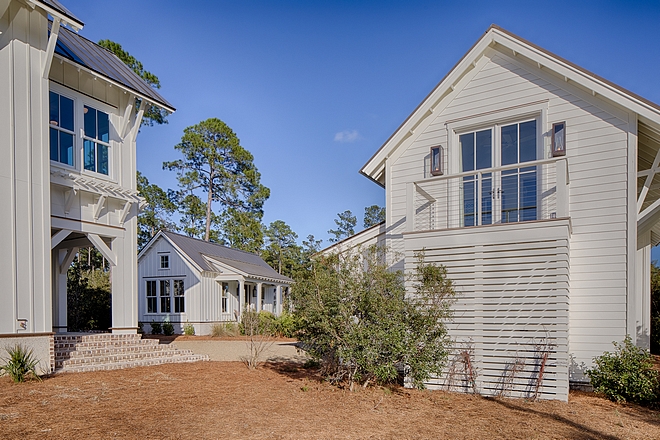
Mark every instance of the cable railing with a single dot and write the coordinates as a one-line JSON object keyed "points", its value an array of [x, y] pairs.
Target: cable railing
{"points": [[528, 191]]}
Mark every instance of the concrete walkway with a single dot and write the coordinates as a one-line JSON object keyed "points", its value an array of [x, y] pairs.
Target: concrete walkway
{"points": [[223, 350]]}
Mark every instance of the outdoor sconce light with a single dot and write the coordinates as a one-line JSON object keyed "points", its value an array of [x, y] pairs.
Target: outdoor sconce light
{"points": [[559, 139], [436, 161]]}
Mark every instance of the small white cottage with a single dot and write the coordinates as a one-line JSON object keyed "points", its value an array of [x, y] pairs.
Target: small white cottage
{"points": [[535, 182], [185, 280]]}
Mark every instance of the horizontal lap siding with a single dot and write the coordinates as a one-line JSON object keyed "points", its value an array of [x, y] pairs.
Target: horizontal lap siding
{"points": [[597, 158], [512, 296]]}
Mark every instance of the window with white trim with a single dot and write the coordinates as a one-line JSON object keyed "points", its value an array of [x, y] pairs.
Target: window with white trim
{"points": [[96, 140], [152, 301], [506, 196], [169, 298], [62, 131]]}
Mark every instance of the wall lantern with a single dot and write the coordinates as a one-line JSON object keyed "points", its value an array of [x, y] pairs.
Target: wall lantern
{"points": [[559, 139], [436, 161]]}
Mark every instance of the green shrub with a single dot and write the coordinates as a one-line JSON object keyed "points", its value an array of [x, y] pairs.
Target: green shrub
{"points": [[188, 329], [156, 328], [21, 364], [168, 329], [225, 329], [627, 375], [285, 325]]}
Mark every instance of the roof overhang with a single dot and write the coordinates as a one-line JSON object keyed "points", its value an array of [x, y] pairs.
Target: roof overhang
{"points": [[67, 19], [515, 46]]}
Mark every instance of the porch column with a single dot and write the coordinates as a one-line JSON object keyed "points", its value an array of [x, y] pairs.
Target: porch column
{"points": [[241, 296], [259, 286], [124, 281], [59, 291], [278, 299]]}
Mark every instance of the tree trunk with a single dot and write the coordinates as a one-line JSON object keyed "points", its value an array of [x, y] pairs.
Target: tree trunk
{"points": [[208, 208]]}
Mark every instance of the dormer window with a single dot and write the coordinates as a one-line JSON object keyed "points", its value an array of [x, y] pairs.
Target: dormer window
{"points": [[436, 161]]}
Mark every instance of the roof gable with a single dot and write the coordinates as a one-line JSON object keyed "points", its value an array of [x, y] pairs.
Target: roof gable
{"points": [[510, 44]]}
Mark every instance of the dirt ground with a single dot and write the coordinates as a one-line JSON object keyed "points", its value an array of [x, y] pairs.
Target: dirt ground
{"points": [[286, 401]]}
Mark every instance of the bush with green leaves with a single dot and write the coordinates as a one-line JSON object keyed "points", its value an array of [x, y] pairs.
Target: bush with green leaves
{"points": [[168, 328], [20, 364], [356, 318], [627, 375], [189, 329], [156, 328], [224, 329]]}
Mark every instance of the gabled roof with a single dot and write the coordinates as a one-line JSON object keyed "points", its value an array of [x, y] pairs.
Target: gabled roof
{"points": [[55, 8], [242, 261], [503, 39], [99, 60]]}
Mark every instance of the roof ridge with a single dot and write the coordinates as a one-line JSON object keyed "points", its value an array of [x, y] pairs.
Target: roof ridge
{"points": [[211, 242]]}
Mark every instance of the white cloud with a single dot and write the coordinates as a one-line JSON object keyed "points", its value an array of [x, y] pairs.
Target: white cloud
{"points": [[347, 136]]}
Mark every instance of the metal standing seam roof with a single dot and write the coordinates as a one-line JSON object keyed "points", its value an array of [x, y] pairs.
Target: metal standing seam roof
{"points": [[105, 63], [243, 261], [59, 7]]}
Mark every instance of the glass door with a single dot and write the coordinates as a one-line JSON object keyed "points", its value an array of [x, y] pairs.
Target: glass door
{"points": [[503, 196]]}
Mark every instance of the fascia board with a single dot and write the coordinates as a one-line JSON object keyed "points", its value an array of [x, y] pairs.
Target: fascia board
{"points": [[148, 246], [183, 255], [429, 104], [578, 75]]}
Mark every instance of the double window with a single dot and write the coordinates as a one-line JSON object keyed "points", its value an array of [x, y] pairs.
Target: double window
{"points": [[171, 294], [95, 130], [504, 196]]}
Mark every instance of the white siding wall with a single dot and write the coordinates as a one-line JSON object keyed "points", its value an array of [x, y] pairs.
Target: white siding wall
{"points": [[24, 183], [597, 158]]}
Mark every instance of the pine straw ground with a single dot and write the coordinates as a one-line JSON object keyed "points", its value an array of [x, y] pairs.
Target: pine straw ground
{"points": [[225, 399]]}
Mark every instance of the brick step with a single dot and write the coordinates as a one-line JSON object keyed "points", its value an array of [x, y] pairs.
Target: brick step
{"points": [[69, 347], [122, 357], [90, 337], [99, 351], [138, 363]]}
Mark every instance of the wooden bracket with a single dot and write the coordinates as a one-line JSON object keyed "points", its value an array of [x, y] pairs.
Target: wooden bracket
{"points": [[68, 202], [68, 259], [103, 248], [99, 206], [124, 212], [58, 237]]}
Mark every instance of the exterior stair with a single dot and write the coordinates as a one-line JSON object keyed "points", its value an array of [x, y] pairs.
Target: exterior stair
{"points": [[79, 352]]}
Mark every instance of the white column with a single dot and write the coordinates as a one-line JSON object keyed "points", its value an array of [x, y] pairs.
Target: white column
{"points": [[123, 280], [259, 286], [278, 296], [241, 296], [59, 291]]}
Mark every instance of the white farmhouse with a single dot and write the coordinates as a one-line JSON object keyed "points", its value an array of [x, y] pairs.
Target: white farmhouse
{"points": [[69, 117], [184, 280], [534, 182]]}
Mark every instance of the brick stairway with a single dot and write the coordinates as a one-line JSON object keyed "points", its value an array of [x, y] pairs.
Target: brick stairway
{"points": [[78, 352]]}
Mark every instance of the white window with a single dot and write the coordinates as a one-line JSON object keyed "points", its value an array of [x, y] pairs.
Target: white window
{"points": [[96, 140], [152, 302], [68, 116], [172, 294], [62, 134], [164, 261], [225, 295], [179, 296], [506, 196], [165, 300]]}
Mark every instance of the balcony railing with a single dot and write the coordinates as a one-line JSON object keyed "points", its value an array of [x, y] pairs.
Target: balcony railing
{"points": [[528, 191]]}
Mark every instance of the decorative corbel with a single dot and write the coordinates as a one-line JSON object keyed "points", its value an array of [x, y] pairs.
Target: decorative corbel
{"points": [[124, 212], [70, 195], [99, 206]]}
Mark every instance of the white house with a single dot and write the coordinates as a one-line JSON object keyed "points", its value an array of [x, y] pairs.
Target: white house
{"points": [[68, 125], [185, 280], [534, 182]]}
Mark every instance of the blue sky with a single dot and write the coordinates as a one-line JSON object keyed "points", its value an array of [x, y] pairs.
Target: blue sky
{"points": [[313, 89]]}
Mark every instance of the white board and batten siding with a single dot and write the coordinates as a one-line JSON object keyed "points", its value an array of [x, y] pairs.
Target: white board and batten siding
{"points": [[597, 154], [179, 269]]}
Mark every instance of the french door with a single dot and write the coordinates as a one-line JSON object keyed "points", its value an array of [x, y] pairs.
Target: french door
{"points": [[500, 193]]}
